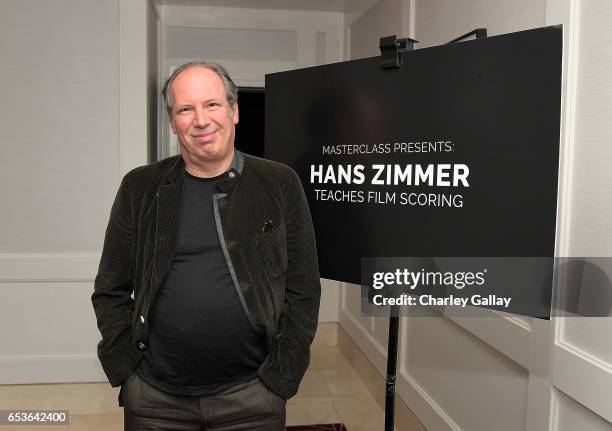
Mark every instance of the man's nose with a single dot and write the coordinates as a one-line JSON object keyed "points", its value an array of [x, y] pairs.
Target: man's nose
{"points": [[200, 120]]}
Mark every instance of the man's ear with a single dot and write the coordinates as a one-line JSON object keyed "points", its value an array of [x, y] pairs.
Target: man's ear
{"points": [[172, 125], [235, 115]]}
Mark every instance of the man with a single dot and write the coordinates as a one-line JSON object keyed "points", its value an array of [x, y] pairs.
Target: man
{"points": [[218, 250]]}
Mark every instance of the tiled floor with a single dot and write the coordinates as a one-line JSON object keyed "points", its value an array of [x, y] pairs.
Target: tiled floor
{"points": [[331, 392]]}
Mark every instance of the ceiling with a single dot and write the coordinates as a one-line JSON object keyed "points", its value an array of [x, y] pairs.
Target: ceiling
{"points": [[346, 6]]}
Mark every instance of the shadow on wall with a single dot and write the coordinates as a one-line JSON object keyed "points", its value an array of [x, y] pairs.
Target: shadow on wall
{"points": [[583, 287]]}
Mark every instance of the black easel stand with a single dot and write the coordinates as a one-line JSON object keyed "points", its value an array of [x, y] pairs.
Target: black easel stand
{"points": [[391, 49], [391, 369]]}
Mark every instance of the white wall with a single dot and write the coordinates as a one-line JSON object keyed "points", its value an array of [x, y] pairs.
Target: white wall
{"points": [[136, 77], [440, 21], [60, 169], [250, 42], [591, 205], [385, 18], [60, 124]]}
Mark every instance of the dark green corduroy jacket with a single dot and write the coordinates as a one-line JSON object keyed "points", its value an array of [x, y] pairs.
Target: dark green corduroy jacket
{"points": [[266, 234]]}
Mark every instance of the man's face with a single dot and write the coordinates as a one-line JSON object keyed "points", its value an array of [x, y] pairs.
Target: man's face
{"points": [[201, 117]]}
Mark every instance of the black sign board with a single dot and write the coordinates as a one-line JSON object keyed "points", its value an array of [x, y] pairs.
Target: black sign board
{"points": [[454, 154]]}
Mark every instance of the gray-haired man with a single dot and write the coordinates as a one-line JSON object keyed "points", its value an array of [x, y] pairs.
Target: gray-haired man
{"points": [[218, 250]]}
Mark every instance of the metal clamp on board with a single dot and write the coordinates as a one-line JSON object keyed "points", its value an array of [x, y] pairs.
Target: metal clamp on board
{"points": [[391, 48]]}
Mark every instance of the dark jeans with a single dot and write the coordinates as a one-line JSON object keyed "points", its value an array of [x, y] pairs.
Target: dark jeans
{"points": [[247, 406]]}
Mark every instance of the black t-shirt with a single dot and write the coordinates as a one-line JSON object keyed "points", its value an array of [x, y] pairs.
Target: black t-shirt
{"points": [[200, 340]]}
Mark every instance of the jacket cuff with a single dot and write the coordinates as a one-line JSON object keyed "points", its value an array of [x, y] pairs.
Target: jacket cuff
{"points": [[275, 379], [119, 361]]}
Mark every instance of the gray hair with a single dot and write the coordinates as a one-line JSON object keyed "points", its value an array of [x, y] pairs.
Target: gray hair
{"points": [[231, 90]]}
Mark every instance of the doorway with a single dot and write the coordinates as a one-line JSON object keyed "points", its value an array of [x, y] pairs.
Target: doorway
{"points": [[250, 130]]}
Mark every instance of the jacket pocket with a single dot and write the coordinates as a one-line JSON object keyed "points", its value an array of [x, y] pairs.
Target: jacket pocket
{"points": [[123, 388], [271, 247]]}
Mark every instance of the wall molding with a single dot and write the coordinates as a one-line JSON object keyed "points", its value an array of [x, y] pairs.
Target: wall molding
{"points": [[48, 267], [374, 351], [429, 411], [51, 369], [510, 335], [589, 382]]}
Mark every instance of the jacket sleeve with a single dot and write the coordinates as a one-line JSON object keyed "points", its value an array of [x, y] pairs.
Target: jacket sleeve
{"points": [[299, 319], [113, 286]]}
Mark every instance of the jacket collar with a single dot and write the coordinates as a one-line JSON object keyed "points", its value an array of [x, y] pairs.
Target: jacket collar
{"points": [[174, 175]]}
